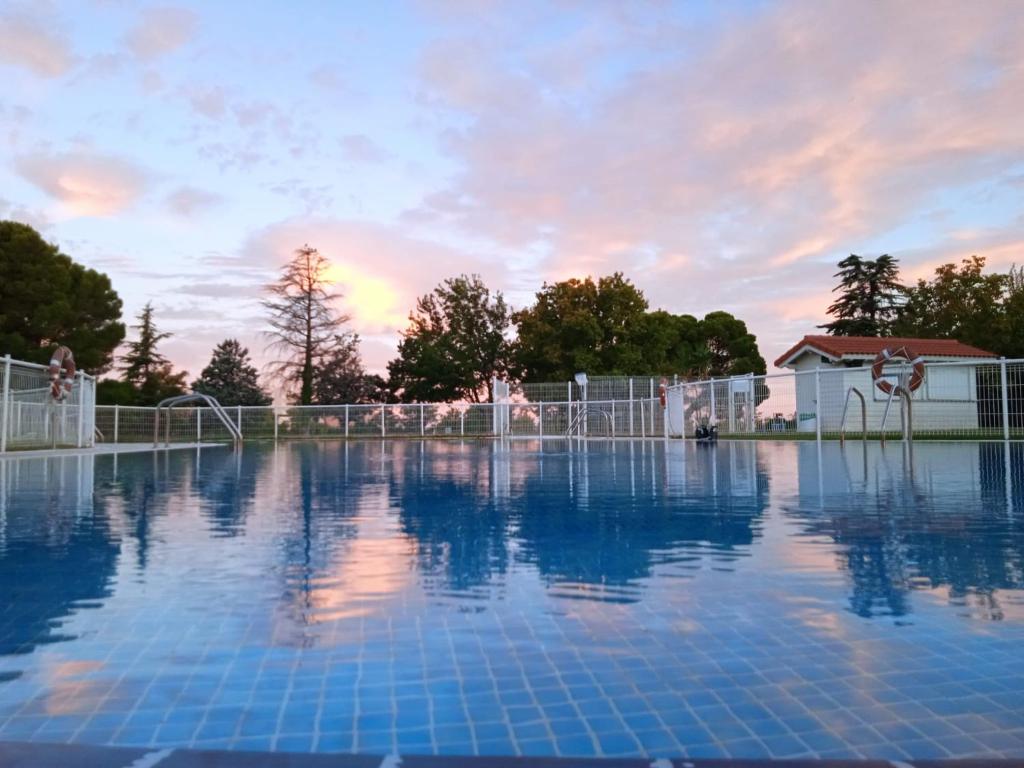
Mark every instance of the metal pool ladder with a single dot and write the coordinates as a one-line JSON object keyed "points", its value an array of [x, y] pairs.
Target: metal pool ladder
{"points": [[582, 414], [863, 414], [211, 402]]}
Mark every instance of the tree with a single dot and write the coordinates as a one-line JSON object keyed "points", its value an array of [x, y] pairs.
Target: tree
{"points": [[150, 374], [731, 350], [455, 344], [231, 377], [339, 375], [669, 344], [46, 299], [1013, 309], [870, 297], [304, 325], [962, 304], [579, 325]]}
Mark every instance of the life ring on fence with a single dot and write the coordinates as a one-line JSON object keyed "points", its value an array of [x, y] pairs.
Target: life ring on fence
{"points": [[62, 360], [663, 393], [887, 355]]}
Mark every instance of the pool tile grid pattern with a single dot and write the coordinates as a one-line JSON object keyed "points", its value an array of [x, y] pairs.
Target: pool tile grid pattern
{"points": [[695, 659]]}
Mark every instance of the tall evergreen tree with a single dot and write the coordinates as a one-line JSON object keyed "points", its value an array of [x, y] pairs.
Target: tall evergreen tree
{"points": [[339, 374], [231, 377], [148, 372], [870, 297], [304, 325]]}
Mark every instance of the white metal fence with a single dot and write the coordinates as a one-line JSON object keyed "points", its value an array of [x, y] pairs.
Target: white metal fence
{"points": [[958, 400], [641, 418], [962, 399], [29, 417]]}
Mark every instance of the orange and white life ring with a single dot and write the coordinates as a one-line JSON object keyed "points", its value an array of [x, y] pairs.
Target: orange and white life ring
{"points": [[62, 360], [887, 355], [663, 393]]}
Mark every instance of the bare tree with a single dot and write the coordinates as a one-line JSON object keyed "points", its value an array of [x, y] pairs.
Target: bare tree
{"points": [[305, 325]]}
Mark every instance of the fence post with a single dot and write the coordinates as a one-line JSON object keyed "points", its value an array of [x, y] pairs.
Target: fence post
{"points": [[273, 414], [817, 403], [714, 408], [239, 420], [5, 406], [383, 429], [81, 409], [422, 432], [540, 418], [1004, 385], [346, 420], [613, 418], [117, 421], [631, 406], [199, 425], [462, 422], [652, 406]]}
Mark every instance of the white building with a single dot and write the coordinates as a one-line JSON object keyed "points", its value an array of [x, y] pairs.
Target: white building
{"points": [[947, 399]]}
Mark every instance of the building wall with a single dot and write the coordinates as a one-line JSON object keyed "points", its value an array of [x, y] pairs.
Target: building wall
{"points": [[948, 398]]}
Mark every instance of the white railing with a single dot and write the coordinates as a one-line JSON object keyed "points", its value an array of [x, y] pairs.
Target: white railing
{"points": [[957, 400], [29, 417], [640, 418]]}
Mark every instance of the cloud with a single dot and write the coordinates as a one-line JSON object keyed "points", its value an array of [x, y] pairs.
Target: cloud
{"points": [[209, 102], [360, 148], [379, 270], [87, 184], [161, 31], [726, 162], [34, 44], [188, 201]]}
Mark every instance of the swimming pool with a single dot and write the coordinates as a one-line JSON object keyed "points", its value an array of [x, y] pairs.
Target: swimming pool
{"points": [[618, 598]]}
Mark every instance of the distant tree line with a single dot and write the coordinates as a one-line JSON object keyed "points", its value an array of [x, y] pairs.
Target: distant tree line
{"points": [[960, 302], [462, 334]]}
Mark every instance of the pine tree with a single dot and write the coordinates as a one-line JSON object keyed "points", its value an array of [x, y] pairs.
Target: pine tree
{"points": [[339, 375], [148, 372], [870, 297], [305, 325], [230, 377]]}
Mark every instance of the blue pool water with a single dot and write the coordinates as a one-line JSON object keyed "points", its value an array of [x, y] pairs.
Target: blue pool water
{"points": [[772, 599]]}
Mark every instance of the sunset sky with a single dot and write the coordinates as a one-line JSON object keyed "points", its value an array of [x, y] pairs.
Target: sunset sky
{"points": [[721, 155]]}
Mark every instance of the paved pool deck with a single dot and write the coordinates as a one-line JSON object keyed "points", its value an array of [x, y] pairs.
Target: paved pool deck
{"points": [[40, 755]]}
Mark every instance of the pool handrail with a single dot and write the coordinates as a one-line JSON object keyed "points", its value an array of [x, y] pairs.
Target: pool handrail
{"points": [[863, 414], [211, 402], [582, 412]]}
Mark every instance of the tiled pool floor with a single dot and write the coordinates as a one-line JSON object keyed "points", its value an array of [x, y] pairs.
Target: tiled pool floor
{"points": [[631, 600]]}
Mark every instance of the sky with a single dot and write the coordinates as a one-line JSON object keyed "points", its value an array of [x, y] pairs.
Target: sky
{"points": [[723, 155]]}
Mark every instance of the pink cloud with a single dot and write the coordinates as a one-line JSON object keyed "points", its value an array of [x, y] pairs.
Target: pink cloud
{"points": [[34, 45], [161, 31], [86, 184], [379, 271], [756, 152]]}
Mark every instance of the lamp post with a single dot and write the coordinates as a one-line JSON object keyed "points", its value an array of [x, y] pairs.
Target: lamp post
{"points": [[581, 382]]}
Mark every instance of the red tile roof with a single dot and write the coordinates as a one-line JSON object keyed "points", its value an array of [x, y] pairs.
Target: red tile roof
{"points": [[869, 346]]}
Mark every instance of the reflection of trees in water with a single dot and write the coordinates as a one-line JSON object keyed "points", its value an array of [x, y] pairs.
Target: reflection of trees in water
{"points": [[610, 529], [617, 531], [901, 540], [226, 482], [461, 529], [319, 523], [58, 555]]}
